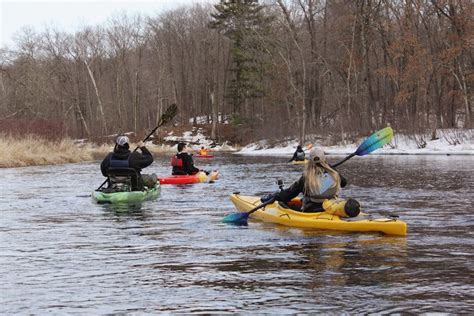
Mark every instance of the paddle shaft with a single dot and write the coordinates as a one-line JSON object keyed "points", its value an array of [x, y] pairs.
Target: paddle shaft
{"points": [[343, 160], [260, 206]]}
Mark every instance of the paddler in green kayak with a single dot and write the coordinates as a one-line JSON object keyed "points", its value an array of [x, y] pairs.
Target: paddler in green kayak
{"points": [[123, 167], [319, 182]]}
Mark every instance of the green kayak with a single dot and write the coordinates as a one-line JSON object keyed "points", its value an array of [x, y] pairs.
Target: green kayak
{"points": [[127, 197]]}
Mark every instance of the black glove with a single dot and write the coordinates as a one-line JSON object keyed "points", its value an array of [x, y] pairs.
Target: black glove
{"points": [[343, 181]]}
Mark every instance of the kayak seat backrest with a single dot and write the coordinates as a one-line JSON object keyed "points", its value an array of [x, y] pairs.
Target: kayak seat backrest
{"points": [[126, 175]]}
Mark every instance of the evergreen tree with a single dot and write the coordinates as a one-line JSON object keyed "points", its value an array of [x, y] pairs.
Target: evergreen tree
{"points": [[246, 25]]}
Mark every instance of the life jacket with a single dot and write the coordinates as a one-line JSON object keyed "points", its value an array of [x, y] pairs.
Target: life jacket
{"points": [[203, 152], [326, 188], [300, 155], [176, 162], [122, 182], [119, 163]]}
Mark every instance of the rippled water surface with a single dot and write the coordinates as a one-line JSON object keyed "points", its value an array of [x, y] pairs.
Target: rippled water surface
{"points": [[61, 253]]}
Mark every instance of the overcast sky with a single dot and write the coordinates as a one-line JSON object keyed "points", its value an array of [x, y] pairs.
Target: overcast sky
{"points": [[69, 15]]}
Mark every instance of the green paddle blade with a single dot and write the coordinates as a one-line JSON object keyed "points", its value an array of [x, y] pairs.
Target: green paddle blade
{"points": [[375, 141]]}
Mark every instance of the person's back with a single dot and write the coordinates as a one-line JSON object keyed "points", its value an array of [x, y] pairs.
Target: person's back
{"points": [[319, 182], [298, 155], [119, 165], [203, 151], [182, 162]]}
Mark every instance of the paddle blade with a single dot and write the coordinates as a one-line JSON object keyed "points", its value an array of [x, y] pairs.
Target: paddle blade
{"points": [[375, 141], [169, 114], [236, 218]]}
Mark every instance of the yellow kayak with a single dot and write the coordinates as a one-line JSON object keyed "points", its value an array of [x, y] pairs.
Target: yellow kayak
{"points": [[275, 213], [299, 162]]}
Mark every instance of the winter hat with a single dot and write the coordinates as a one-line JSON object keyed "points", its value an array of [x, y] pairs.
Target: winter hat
{"points": [[122, 140], [316, 155]]}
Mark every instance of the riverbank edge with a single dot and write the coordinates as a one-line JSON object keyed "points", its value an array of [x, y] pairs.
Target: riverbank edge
{"points": [[34, 151]]}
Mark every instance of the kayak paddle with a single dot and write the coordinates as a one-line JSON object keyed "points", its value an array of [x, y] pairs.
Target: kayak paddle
{"points": [[371, 143], [169, 114], [375, 141], [242, 217]]}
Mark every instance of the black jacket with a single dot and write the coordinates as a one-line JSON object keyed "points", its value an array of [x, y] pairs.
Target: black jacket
{"points": [[299, 155], [138, 161], [188, 165]]}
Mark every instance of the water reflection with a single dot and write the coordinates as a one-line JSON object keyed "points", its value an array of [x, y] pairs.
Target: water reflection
{"points": [[61, 253], [123, 211]]}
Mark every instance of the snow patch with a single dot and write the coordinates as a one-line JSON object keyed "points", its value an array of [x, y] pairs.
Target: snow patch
{"points": [[195, 139], [400, 145]]}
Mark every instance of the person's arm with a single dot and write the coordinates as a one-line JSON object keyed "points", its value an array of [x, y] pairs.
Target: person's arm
{"points": [[287, 194], [188, 164], [105, 165], [343, 179], [143, 159], [294, 157]]}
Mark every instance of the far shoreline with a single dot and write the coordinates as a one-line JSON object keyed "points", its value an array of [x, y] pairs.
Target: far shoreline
{"points": [[31, 150]]}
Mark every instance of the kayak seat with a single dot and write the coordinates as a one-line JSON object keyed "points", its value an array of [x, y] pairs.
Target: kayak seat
{"points": [[290, 205], [296, 205], [122, 178]]}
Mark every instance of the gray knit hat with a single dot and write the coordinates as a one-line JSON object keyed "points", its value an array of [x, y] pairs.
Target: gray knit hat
{"points": [[317, 155]]}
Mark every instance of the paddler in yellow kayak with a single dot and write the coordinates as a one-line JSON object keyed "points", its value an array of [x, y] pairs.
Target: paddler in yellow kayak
{"points": [[318, 183], [298, 155]]}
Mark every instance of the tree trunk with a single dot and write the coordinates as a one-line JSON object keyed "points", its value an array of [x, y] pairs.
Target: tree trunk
{"points": [[101, 110], [214, 115]]}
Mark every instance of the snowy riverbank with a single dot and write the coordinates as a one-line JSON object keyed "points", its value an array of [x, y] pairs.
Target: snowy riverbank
{"points": [[400, 145]]}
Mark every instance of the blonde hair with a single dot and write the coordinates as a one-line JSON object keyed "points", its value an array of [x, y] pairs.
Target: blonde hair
{"points": [[313, 174]]}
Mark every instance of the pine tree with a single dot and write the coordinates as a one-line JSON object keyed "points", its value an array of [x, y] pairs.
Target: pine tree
{"points": [[246, 25]]}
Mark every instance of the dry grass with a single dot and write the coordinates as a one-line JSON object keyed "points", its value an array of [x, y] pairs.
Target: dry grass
{"points": [[33, 151]]}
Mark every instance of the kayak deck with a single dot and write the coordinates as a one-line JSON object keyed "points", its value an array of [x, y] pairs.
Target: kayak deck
{"points": [[127, 197], [275, 213]]}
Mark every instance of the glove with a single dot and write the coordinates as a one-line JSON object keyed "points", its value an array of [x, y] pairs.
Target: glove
{"points": [[140, 144], [343, 181], [267, 197]]}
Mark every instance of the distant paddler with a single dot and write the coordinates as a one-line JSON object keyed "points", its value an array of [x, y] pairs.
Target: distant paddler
{"points": [[299, 156], [203, 151]]}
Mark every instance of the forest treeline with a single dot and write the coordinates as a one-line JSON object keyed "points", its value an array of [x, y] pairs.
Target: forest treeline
{"points": [[268, 68]]}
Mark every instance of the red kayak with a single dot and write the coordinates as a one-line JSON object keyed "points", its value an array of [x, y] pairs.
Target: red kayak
{"points": [[187, 179], [203, 156]]}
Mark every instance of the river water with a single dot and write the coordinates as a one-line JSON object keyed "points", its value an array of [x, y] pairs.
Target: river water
{"points": [[61, 253]]}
